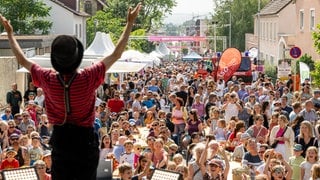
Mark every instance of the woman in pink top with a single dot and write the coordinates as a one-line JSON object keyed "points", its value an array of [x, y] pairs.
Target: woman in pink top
{"points": [[179, 117]]}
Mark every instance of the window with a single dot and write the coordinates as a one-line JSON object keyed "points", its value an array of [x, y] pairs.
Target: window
{"points": [[270, 32], [88, 7], [80, 31], [312, 19], [301, 20], [274, 32]]}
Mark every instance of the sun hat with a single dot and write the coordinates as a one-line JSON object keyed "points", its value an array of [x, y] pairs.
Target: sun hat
{"points": [[298, 147], [66, 54]]}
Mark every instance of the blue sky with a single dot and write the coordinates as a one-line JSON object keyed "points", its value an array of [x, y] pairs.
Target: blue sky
{"points": [[186, 9]]}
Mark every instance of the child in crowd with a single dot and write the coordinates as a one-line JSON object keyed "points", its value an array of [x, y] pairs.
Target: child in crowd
{"points": [[128, 155], [137, 149], [296, 160], [171, 166], [125, 172], [221, 132], [311, 159], [178, 159], [35, 152], [315, 172], [10, 162], [182, 169]]}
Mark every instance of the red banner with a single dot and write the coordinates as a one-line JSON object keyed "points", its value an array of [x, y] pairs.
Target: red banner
{"points": [[229, 63], [176, 38]]}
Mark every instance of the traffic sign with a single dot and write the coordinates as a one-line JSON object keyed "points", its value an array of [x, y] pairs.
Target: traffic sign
{"points": [[295, 52]]}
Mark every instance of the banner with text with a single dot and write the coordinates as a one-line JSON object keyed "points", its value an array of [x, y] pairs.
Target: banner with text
{"points": [[284, 68]]}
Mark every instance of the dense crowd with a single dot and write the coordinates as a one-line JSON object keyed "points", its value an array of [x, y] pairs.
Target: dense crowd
{"points": [[172, 118]]}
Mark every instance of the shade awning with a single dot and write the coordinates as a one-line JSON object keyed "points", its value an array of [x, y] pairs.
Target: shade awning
{"points": [[117, 67], [124, 67]]}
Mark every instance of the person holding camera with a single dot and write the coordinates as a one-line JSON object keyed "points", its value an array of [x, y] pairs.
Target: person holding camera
{"points": [[282, 138]]}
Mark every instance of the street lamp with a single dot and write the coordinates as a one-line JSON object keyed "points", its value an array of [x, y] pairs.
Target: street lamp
{"points": [[229, 27]]}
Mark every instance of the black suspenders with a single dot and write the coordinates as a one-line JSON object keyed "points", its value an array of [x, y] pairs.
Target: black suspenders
{"points": [[66, 87]]}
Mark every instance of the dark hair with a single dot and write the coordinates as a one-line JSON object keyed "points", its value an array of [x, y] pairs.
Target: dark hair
{"points": [[102, 146]]}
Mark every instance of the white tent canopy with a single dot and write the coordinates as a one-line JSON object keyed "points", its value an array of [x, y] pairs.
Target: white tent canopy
{"points": [[138, 57], [102, 45], [124, 67], [117, 67], [193, 56]]}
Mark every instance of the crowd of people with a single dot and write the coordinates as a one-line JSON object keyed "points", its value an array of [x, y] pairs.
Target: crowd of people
{"points": [[168, 118]]}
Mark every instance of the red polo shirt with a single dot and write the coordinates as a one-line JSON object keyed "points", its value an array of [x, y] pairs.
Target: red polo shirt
{"points": [[82, 94]]}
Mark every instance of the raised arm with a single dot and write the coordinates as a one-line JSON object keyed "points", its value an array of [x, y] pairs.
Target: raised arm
{"points": [[15, 47], [121, 45]]}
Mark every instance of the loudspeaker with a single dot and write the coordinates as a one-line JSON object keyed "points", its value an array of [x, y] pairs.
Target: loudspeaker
{"points": [[29, 173], [104, 170], [160, 174]]}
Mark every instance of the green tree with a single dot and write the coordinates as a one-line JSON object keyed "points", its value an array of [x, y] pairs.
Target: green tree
{"points": [[242, 19], [316, 75], [113, 18], [150, 16], [307, 60], [141, 44], [27, 16], [316, 38]]}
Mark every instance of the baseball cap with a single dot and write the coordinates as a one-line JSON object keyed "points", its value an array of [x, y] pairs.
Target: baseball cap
{"points": [[298, 147]]}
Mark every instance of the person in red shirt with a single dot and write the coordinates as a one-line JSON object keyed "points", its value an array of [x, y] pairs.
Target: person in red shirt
{"points": [[10, 162], [116, 104], [70, 98]]}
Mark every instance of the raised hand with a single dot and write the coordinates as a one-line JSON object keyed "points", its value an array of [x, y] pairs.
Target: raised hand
{"points": [[132, 14], [6, 24]]}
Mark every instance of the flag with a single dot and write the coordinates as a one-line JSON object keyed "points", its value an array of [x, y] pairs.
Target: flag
{"points": [[229, 63], [304, 71]]}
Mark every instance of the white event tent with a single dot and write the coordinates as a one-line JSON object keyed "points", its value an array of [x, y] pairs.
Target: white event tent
{"points": [[100, 47]]}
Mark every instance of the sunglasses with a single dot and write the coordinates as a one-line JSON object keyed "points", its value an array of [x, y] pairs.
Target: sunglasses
{"points": [[261, 152], [14, 139], [155, 125], [172, 149], [115, 126], [25, 116]]}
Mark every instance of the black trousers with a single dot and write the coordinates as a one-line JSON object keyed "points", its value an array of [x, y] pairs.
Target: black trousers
{"points": [[75, 153]]}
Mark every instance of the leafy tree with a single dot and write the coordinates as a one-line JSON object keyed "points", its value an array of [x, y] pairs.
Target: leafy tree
{"points": [[316, 75], [307, 60], [242, 20], [26, 16], [113, 18], [104, 22], [141, 45], [150, 16], [316, 38]]}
